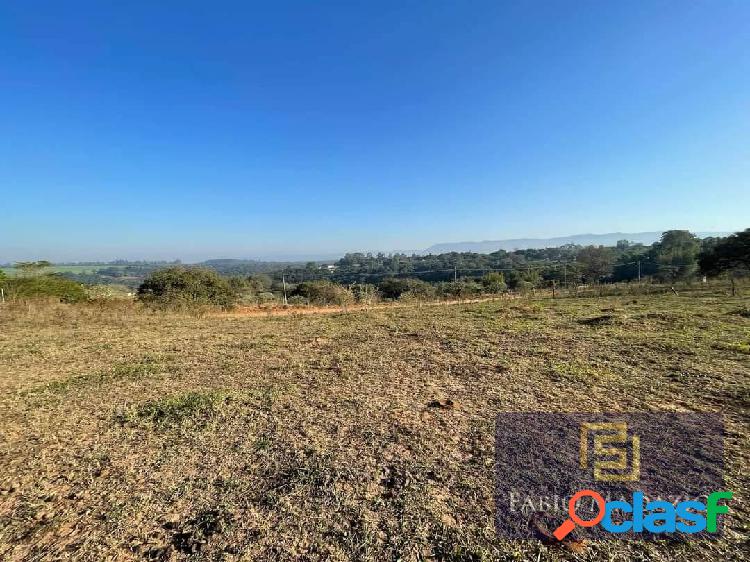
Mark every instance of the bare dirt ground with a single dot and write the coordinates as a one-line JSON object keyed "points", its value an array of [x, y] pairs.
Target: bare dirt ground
{"points": [[129, 435]]}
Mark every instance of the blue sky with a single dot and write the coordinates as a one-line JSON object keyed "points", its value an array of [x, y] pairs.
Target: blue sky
{"points": [[240, 129]]}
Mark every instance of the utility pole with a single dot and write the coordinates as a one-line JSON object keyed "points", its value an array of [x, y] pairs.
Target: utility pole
{"points": [[639, 271], [455, 273], [283, 282], [565, 274]]}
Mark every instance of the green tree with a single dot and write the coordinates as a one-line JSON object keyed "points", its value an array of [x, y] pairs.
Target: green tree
{"points": [[730, 253], [259, 283], [187, 286], [677, 254], [238, 284], [595, 263], [633, 260]]}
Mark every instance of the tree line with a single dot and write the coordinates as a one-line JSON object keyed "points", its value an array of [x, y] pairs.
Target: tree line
{"points": [[677, 256]]}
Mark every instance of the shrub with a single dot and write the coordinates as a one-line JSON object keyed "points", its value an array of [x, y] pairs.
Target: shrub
{"points": [[324, 292], [107, 292], [238, 284], [393, 288], [524, 287], [365, 293], [259, 283], [296, 300], [44, 286], [187, 286], [494, 282], [265, 297], [519, 280], [460, 289]]}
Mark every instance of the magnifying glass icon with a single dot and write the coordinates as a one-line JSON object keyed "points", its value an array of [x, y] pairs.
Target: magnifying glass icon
{"points": [[569, 524]]}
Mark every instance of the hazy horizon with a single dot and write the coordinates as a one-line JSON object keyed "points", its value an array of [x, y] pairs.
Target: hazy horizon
{"points": [[131, 255]]}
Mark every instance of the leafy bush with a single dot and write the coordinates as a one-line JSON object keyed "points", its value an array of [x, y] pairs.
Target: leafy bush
{"points": [[393, 288], [44, 286], [494, 282], [460, 289], [296, 300], [187, 286], [365, 293], [265, 297], [238, 284], [259, 283], [107, 292], [324, 292], [519, 280]]}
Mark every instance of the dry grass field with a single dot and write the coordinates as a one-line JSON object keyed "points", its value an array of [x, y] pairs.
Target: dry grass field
{"points": [[129, 435]]}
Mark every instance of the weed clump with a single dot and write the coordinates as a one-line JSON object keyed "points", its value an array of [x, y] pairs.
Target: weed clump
{"points": [[122, 371], [738, 347], [192, 407]]}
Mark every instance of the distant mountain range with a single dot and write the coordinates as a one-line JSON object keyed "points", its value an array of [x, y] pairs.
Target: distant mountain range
{"points": [[609, 239]]}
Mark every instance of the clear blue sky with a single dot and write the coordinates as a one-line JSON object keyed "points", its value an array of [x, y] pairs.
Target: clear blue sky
{"points": [[238, 129]]}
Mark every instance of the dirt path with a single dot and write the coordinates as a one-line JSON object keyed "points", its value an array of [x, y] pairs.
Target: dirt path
{"points": [[254, 311]]}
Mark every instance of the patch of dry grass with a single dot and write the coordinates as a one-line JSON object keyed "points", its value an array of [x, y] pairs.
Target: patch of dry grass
{"points": [[129, 435]]}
